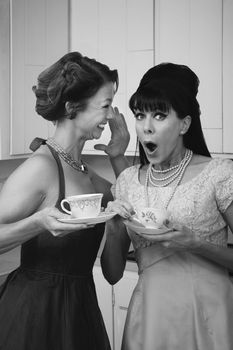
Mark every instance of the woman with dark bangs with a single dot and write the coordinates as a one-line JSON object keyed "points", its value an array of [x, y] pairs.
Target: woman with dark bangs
{"points": [[184, 297]]}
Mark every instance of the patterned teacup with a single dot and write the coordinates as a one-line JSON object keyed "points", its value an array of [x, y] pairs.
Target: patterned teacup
{"points": [[153, 217], [84, 205]]}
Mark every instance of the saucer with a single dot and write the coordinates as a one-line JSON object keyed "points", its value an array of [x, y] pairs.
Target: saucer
{"points": [[102, 217], [137, 227]]}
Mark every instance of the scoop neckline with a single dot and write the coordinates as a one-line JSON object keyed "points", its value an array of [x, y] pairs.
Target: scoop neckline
{"points": [[183, 184]]}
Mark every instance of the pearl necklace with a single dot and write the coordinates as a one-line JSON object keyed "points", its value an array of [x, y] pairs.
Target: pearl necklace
{"points": [[162, 181], [67, 157], [177, 175]]}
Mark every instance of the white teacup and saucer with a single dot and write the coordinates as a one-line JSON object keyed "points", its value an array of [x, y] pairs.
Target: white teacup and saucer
{"points": [[85, 209]]}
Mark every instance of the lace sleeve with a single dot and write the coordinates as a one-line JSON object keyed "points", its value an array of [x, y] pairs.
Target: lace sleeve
{"points": [[223, 178]]}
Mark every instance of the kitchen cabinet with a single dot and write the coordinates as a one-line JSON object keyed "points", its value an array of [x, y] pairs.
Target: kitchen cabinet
{"points": [[113, 302], [193, 32], [104, 293], [199, 34], [122, 295], [39, 36]]}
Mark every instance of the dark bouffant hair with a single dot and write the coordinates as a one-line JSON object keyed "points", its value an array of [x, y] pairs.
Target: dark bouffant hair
{"points": [[73, 78], [166, 86]]}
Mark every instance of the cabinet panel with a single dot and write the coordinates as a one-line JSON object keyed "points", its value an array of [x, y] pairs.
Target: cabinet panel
{"points": [[35, 31], [104, 295], [122, 294], [140, 25], [34, 123], [213, 139], [36, 41], [84, 36], [112, 37], [206, 58], [190, 32], [137, 64], [227, 76], [17, 73], [171, 31], [4, 79]]}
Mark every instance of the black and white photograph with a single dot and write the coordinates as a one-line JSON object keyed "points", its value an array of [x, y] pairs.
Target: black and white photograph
{"points": [[116, 175]]}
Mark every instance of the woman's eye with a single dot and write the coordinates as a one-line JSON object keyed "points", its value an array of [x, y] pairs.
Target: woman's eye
{"points": [[139, 116], [106, 107], [160, 116]]}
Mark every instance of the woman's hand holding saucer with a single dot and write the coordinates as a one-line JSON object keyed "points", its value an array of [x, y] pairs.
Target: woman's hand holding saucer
{"points": [[48, 219], [178, 238]]}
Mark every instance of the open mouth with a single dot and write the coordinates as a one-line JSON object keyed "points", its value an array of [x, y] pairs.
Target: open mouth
{"points": [[150, 146]]}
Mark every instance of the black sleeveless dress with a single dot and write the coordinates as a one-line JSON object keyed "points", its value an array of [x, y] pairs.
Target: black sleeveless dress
{"points": [[49, 302]]}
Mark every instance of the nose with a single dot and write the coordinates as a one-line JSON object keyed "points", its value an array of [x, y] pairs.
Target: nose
{"points": [[109, 114], [148, 127]]}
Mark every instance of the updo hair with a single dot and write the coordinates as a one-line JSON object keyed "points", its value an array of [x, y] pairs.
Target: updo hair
{"points": [[74, 78], [167, 86]]}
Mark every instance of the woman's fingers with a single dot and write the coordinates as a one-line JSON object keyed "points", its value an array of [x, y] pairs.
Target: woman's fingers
{"points": [[120, 207], [62, 229]]}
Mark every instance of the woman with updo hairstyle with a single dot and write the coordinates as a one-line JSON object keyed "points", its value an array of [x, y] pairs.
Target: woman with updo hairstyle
{"points": [[73, 78], [49, 301], [176, 206]]}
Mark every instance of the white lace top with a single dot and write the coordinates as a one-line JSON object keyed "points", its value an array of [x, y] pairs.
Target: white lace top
{"points": [[197, 204]]}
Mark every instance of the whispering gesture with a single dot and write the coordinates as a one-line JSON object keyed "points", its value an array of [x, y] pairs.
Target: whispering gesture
{"points": [[119, 135]]}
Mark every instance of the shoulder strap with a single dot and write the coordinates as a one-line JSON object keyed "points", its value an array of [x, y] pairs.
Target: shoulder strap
{"points": [[35, 144]]}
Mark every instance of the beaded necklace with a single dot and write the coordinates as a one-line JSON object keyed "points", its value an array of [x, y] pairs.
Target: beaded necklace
{"points": [[67, 157], [176, 175]]}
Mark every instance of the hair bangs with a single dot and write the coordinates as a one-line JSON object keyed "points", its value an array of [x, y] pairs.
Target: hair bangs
{"points": [[143, 101]]}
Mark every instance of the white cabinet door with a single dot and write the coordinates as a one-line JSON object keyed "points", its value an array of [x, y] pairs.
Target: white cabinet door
{"points": [[227, 76], [122, 294], [4, 79], [190, 32], [104, 293], [39, 36]]}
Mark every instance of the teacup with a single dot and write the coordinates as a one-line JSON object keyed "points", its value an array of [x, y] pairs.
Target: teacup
{"points": [[83, 205], [152, 217]]}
